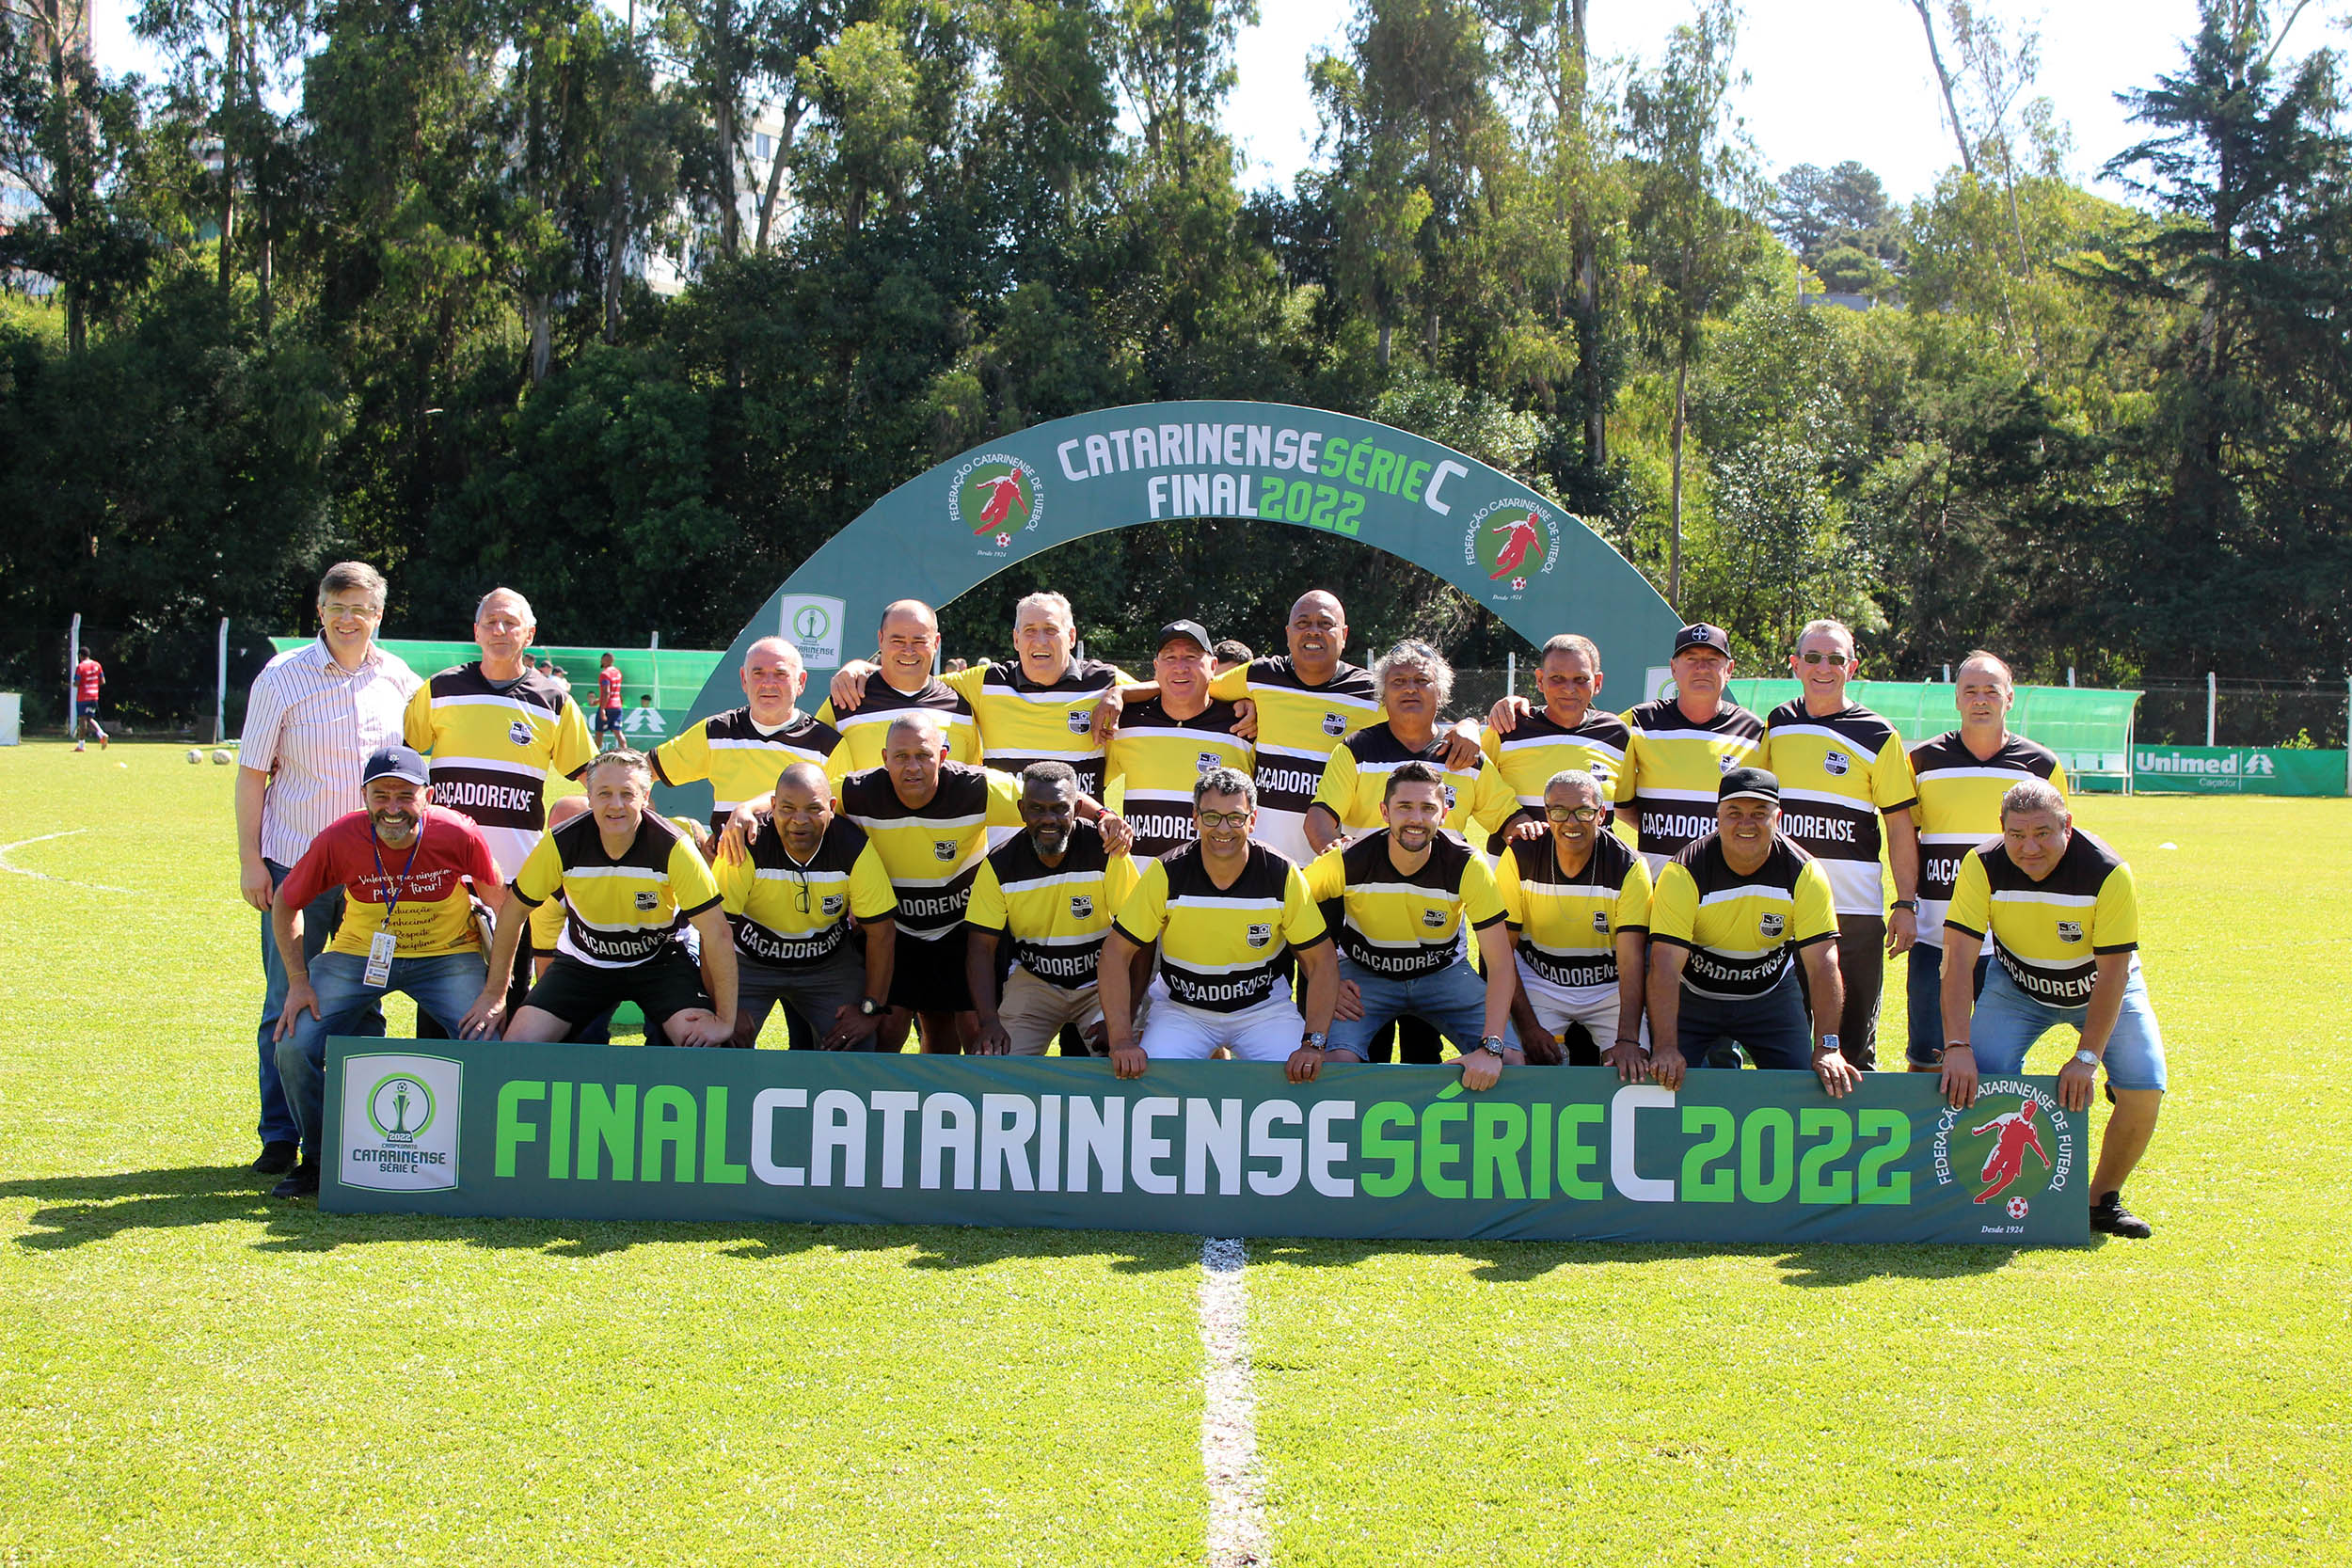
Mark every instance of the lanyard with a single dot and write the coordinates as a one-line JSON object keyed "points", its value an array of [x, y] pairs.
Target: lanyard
{"points": [[392, 893]]}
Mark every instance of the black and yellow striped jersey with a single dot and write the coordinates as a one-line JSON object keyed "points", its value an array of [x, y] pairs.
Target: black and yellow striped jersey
{"points": [[1674, 765], [493, 745], [1222, 947], [1838, 774], [2048, 934], [1158, 757], [934, 850], [1356, 774], [865, 733], [620, 910], [1297, 727], [1567, 922], [1959, 807], [1057, 914], [741, 758], [1402, 925], [790, 914], [1021, 723], [1539, 745], [1740, 930]]}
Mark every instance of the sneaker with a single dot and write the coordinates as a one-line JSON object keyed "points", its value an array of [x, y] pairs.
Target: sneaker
{"points": [[304, 1182], [278, 1158], [2108, 1214], [80, 745]]}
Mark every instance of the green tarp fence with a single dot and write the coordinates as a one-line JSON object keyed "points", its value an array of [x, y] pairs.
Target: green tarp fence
{"points": [[670, 676], [2089, 727], [1228, 1148]]}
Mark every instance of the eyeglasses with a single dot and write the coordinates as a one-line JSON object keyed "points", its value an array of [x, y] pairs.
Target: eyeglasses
{"points": [[351, 612], [1815, 655], [1571, 814], [1227, 819]]}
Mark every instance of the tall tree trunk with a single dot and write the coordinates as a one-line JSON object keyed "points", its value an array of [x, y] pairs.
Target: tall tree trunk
{"points": [[616, 245], [784, 134], [730, 221], [1674, 516], [1944, 78], [1584, 251], [269, 258], [231, 76], [537, 311]]}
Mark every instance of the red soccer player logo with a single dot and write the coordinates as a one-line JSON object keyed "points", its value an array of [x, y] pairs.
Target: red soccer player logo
{"points": [[1004, 495], [2008, 1160], [1520, 537]]}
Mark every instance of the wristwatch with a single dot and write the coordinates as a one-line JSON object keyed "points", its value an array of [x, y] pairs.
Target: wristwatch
{"points": [[1911, 904], [1828, 1045], [868, 1008], [2088, 1058], [1493, 1043], [1314, 1041]]}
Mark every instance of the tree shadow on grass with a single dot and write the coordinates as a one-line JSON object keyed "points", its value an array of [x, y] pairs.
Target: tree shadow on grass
{"points": [[76, 1210], [1813, 1265]]}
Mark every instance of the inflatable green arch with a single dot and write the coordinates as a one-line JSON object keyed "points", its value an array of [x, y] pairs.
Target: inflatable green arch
{"points": [[1537, 567]]}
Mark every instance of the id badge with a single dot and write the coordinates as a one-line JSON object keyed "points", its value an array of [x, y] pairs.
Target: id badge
{"points": [[379, 971]]}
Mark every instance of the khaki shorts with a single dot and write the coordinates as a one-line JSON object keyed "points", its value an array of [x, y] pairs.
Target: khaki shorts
{"points": [[1033, 1011]]}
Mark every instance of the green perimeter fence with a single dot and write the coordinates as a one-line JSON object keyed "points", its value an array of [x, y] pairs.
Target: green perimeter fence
{"points": [[670, 676]]}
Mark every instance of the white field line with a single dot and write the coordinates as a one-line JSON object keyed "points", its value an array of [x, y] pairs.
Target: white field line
{"points": [[6, 850], [1229, 1412]]}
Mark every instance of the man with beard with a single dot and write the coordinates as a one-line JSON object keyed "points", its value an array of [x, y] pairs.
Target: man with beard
{"points": [[1054, 888], [403, 868], [790, 902], [1400, 898]]}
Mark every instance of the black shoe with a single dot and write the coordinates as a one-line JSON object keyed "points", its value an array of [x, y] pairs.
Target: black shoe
{"points": [[278, 1158], [2108, 1214], [304, 1182]]}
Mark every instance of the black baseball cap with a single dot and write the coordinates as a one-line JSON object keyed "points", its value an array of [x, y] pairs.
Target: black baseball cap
{"points": [[1184, 628], [1751, 783], [395, 761], [1700, 635]]}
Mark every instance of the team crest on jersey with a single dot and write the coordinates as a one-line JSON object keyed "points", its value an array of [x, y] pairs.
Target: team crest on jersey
{"points": [[1261, 935], [519, 733], [1079, 722], [1449, 796], [2070, 931], [1081, 905], [648, 901], [1208, 760], [833, 904], [1771, 924], [1723, 763], [1334, 725], [942, 849], [1433, 919], [1601, 921], [1835, 764]]}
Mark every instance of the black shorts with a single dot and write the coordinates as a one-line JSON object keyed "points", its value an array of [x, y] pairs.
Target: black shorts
{"points": [[662, 987], [928, 976], [607, 718]]}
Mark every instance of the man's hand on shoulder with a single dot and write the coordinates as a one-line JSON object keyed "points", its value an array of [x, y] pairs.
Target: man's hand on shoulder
{"points": [[1246, 720], [1505, 715], [1461, 751], [849, 685], [1108, 708]]}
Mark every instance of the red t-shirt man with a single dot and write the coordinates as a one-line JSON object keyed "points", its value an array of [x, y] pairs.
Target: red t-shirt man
{"points": [[88, 678], [431, 914]]}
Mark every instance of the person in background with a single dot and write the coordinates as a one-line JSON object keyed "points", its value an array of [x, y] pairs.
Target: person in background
{"points": [[608, 704], [88, 676], [314, 715]]}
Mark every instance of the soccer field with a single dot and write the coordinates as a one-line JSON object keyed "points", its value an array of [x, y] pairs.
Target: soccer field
{"points": [[190, 1372]]}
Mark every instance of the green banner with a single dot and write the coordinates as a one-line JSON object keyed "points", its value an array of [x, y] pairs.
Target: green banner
{"points": [[1227, 1148], [2236, 770]]}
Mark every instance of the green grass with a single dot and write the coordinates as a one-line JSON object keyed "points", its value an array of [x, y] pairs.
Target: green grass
{"points": [[191, 1372]]}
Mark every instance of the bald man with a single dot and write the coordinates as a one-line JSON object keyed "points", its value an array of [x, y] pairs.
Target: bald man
{"points": [[742, 750], [907, 647]]}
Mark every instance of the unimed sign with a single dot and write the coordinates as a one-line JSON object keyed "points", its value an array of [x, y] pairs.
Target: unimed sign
{"points": [[1218, 1148]]}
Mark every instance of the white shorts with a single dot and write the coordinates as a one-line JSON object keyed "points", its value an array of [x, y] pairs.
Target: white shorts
{"points": [[1557, 1006], [1266, 1031]]}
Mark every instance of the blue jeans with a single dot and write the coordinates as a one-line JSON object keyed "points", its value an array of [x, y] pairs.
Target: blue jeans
{"points": [[1453, 1000], [319, 921], [1924, 995], [444, 987], [1773, 1027], [2008, 1022]]}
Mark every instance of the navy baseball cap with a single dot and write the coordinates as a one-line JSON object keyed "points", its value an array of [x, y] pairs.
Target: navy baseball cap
{"points": [[1701, 634], [395, 761], [1752, 783], [1184, 628]]}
